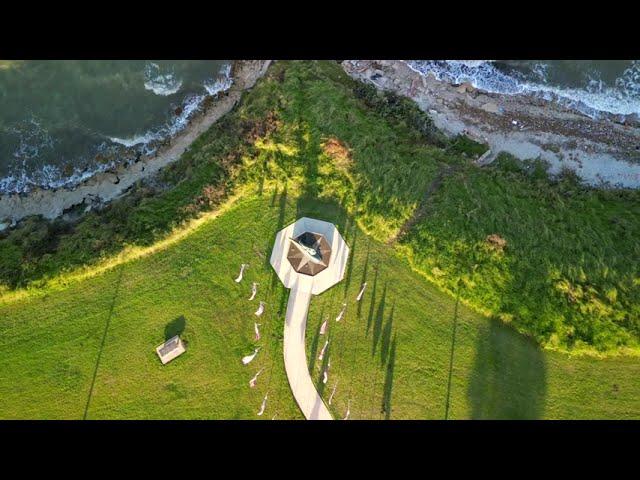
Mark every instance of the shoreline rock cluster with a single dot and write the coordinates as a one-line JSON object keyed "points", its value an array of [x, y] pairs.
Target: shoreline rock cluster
{"points": [[109, 185], [603, 152]]}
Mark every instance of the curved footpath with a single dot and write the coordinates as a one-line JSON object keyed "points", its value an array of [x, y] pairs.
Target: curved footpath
{"points": [[303, 286], [104, 187], [295, 359]]}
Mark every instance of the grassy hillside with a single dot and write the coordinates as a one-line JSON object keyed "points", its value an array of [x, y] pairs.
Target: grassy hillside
{"points": [[551, 260], [564, 272], [89, 347]]}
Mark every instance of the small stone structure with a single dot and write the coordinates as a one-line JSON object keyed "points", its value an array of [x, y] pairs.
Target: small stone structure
{"points": [[170, 349]]}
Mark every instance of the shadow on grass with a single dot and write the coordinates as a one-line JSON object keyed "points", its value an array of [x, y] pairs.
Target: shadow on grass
{"points": [[509, 376], [388, 381], [343, 223], [274, 197], [174, 327], [453, 347], [374, 294], [314, 344], [352, 254], [385, 344], [102, 342], [379, 318], [364, 276], [320, 386], [282, 212], [282, 304]]}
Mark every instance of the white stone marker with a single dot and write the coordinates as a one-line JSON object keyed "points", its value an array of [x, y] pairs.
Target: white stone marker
{"points": [[321, 356], [252, 382], [247, 360], [323, 328], [254, 290], [346, 417], [359, 297], [239, 278], [333, 392], [263, 406]]}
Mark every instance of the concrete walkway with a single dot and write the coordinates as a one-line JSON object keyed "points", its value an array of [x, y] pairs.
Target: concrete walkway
{"points": [[303, 286], [295, 359]]}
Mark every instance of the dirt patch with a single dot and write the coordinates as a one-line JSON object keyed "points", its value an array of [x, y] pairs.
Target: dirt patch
{"points": [[338, 152], [495, 242]]}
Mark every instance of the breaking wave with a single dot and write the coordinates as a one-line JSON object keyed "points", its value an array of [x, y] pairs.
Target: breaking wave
{"points": [[164, 84], [32, 139], [620, 98]]}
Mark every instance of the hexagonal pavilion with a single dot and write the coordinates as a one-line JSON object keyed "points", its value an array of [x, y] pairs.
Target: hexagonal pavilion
{"points": [[309, 256]]}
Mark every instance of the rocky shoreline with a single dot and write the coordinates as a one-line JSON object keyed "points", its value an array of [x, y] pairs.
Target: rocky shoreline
{"points": [[603, 152], [106, 186]]}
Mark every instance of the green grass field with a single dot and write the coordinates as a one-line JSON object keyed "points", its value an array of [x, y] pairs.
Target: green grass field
{"points": [[394, 347], [451, 326]]}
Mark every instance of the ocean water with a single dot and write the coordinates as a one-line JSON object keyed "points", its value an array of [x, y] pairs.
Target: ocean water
{"points": [[590, 86], [61, 121]]}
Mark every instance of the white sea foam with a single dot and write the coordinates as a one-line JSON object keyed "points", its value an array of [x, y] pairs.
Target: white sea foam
{"points": [[137, 140], [190, 105], [164, 84], [623, 99], [33, 138], [222, 83], [165, 87], [49, 176]]}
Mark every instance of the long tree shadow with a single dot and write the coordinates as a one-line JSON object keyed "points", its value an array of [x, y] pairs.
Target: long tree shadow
{"points": [[310, 151], [352, 254], [102, 343], [320, 385], [282, 304], [388, 381], [377, 324], [282, 211], [451, 355], [314, 344], [374, 292], [365, 270], [385, 344], [509, 376], [274, 197], [343, 221]]}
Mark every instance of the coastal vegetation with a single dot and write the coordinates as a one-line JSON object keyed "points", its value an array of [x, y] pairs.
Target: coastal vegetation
{"points": [[85, 348], [514, 261], [562, 276]]}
